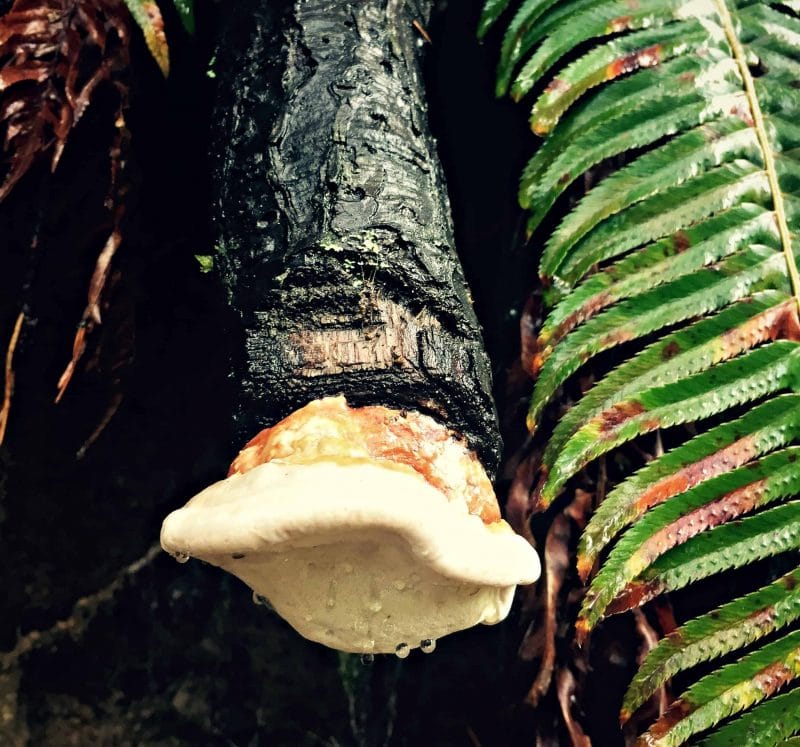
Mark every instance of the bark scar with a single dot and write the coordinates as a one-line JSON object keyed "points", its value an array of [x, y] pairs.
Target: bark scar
{"points": [[389, 338]]}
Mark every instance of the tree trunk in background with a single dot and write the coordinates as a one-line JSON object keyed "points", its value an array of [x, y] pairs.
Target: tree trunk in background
{"points": [[335, 241]]}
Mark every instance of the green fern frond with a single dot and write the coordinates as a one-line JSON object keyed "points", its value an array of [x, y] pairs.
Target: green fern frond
{"points": [[492, 10], [700, 245], [704, 291], [763, 371], [185, 10], [731, 627], [763, 726], [765, 428], [730, 690], [728, 546], [718, 500], [696, 105]]}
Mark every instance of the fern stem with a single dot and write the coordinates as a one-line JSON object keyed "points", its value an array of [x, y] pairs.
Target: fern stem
{"points": [[763, 140]]}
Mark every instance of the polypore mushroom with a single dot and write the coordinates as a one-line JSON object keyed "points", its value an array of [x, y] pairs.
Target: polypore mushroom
{"points": [[373, 527], [368, 529]]}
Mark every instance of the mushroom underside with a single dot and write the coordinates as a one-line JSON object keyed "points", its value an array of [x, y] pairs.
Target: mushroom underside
{"points": [[360, 556]]}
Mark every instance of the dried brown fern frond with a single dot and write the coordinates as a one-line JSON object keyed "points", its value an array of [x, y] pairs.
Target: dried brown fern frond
{"points": [[53, 55]]}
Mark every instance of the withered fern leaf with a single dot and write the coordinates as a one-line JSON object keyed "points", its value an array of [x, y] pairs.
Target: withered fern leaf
{"points": [[689, 112], [54, 56]]}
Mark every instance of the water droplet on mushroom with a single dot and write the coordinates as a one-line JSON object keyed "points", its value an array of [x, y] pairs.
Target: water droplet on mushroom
{"points": [[399, 584], [361, 627], [181, 557], [402, 650], [427, 645], [367, 658], [347, 567], [260, 600], [330, 602], [374, 605]]}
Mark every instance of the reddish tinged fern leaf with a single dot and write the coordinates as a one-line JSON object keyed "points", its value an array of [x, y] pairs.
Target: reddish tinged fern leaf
{"points": [[728, 691], [148, 16], [717, 501], [715, 634]]}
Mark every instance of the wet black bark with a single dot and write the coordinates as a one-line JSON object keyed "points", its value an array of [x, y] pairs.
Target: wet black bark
{"points": [[334, 234]]}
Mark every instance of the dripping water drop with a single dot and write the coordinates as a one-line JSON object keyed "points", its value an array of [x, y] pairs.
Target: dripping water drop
{"points": [[367, 658], [402, 650], [260, 600], [181, 557], [427, 645]]}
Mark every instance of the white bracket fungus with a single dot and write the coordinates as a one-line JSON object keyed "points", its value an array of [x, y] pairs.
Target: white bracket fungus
{"points": [[369, 530]]}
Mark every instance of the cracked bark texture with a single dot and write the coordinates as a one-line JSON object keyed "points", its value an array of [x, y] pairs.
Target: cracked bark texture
{"points": [[334, 236]]}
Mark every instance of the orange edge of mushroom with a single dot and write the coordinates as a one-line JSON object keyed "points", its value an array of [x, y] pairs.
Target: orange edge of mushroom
{"points": [[330, 429]]}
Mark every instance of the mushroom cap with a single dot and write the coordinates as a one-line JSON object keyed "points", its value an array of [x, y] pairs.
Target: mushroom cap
{"points": [[359, 553], [329, 428]]}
